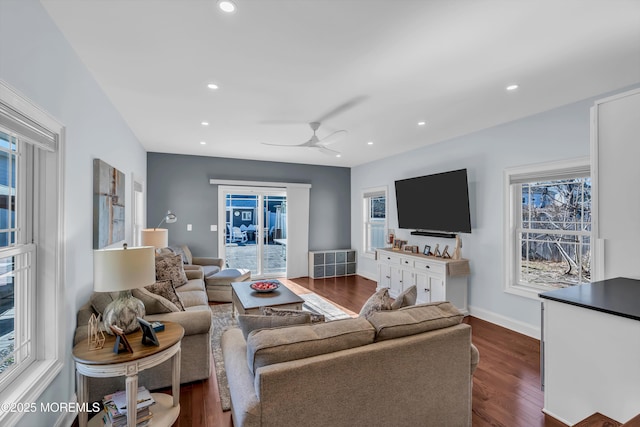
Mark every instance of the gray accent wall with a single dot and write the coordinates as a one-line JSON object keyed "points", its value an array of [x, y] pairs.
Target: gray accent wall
{"points": [[180, 183]]}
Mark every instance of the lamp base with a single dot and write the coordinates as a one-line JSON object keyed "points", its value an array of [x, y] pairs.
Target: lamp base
{"points": [[123, 313]]}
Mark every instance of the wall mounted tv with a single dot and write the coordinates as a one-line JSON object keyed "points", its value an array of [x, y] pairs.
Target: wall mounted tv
{"points": [[438, 202]]}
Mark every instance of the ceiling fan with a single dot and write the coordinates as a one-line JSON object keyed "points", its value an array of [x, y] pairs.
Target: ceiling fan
{"points": [[321, 143]]}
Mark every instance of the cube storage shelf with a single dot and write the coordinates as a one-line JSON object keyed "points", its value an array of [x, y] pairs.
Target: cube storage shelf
{"points": [[332, 263]]}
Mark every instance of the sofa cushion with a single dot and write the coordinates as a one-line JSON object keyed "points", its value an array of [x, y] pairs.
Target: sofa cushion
{"points": [[414, 320], [193, 298], [178, 250], [252, 322], [169, 267], [270, 346], [186, 254], [272, 311], [376, 302], [406, 298], [165, 289], [153, 303]]}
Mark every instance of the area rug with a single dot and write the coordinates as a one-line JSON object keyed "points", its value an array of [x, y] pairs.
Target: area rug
{"points": [[222, 320]]}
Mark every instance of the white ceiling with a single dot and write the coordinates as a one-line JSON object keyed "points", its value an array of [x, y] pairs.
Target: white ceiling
{"points": [[283, 63]]}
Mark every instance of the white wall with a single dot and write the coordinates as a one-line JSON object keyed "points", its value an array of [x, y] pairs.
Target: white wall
{"points": [[37, 61], [557, 134]]}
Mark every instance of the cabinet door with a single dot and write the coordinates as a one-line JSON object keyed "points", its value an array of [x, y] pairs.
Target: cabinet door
{"points": [[436, 284], [422, 285], [384, 275], [395, 287]]}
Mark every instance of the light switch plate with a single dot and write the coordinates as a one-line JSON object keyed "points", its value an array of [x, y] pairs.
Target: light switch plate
{"points": [[189, 227], [214, 227]]}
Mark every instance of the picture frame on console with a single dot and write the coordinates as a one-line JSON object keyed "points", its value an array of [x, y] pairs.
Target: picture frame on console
{"points": [[427, 250]]}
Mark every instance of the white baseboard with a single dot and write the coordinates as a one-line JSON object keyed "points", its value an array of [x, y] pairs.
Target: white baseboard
{"points": [[367, 276], [506, 322]]}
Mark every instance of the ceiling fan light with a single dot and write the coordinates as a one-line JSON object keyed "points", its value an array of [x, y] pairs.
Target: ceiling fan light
{"points": [[227, 6]]}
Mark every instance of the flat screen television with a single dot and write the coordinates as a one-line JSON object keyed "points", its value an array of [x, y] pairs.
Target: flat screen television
{"points": [[438, 202]]}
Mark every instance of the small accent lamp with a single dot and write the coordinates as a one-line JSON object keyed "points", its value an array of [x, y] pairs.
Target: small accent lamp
{"points": [[123, 269], [158, 237]]}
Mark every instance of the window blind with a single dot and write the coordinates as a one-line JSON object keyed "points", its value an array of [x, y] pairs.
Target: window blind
{"points": [[28, 130], [577, 171]]}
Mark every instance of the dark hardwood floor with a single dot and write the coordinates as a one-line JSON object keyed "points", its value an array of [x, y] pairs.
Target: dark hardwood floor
{"points": [[506, 385]]}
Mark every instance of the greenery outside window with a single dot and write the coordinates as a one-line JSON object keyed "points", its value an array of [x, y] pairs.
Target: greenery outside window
{"points": [[547, 227], [374, 219]]}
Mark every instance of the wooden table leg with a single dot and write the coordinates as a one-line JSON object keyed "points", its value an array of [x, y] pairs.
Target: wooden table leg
{"points": [[83, 398], [175, 383], [132, 400]]}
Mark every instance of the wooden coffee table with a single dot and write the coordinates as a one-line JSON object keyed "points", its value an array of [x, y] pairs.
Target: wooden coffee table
{"points": [[248, 301]]}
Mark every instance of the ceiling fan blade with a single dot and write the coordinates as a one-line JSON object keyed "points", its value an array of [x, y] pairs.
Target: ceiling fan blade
{"points": [[327, 151], [304, 144], [341, 108], [333, 137]]}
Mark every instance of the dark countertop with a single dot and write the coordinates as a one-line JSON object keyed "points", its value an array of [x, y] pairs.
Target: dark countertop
{"points": [[619, 296]]}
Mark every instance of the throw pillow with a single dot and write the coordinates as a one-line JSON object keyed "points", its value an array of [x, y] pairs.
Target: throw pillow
{"points": [[169, 267], [252, 322], [179, 251], [187, 254], [154, 303], [272, 311], [376, 302], [406, 298], [166, 290]]}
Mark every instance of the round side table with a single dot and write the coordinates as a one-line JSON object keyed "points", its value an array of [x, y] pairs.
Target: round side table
{"points": [[104, 363]]}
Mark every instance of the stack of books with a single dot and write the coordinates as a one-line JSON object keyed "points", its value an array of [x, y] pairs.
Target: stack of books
{"points": [[115, 407]]}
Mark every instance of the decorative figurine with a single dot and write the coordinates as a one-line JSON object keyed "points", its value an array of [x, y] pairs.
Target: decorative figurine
{"points": [[457, 252], [96, 336]]}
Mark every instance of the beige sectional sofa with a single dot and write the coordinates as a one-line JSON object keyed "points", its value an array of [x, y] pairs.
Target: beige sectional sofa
{"points": [[408, 367], [196, 344]]}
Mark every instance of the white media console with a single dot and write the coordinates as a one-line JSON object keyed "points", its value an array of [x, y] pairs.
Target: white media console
{"points": [[437, 279]]}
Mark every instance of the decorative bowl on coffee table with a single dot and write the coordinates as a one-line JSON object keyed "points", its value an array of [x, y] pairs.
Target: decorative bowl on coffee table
{"points": [[265, 286]]}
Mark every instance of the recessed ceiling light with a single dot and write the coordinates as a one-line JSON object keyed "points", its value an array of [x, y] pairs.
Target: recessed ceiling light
{"points": [[227, 6], [512, 87], [205, 123], [370, 143], [203, 143], [422, 123], [212, 86], [338, 155]]}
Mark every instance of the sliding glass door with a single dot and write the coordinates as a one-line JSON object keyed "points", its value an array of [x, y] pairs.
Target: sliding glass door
{"points": [[253, 228]]}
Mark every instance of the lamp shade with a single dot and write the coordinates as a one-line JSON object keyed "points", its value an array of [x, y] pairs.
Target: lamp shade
{"points": [[121, 269], [156, 237]]}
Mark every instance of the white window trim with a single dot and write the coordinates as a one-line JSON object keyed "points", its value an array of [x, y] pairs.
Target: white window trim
{"points": [[364, 216], [51, 334], [510, 219]]}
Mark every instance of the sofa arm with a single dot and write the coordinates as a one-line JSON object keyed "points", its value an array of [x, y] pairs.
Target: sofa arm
{"points": [[194, 322], [208, 261], [194, 272], [475, 358]]}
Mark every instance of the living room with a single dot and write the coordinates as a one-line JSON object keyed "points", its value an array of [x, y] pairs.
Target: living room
{"points": [[39, 63]]}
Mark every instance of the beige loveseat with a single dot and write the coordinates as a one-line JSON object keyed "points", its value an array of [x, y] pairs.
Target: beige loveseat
{"points": [[196, 344], [406, 367]]}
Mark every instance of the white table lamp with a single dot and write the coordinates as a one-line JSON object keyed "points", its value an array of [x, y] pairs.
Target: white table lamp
{"points": [[123, 269]]}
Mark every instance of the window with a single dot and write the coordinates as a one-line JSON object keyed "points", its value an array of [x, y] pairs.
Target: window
{"points": [[548, 227], [31, 321], [375, 219]]}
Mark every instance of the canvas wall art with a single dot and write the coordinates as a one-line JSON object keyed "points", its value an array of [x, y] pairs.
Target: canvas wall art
{"points": [[108, 204]]}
